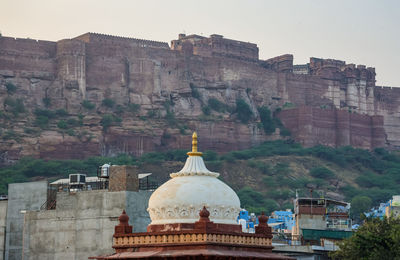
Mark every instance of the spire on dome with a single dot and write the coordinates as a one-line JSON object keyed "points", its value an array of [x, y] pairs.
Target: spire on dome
{"points": [[194, 163], [194, 151]]}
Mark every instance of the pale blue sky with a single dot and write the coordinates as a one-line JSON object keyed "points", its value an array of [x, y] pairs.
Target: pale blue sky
{"points": [[357, 31]]}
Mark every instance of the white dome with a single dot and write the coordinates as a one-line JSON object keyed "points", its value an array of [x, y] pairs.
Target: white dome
{"points": [[180, 199]]}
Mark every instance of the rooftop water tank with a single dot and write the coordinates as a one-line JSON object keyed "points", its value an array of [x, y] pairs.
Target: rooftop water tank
{"points": [[104, 171]]}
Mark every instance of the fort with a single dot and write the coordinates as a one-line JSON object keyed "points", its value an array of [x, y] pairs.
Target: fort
{"points": [[325, 101]]}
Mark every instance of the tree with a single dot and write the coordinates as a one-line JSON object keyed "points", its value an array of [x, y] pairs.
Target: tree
{"points": [[360, 204], [243, 111], [375, 239], [322, 173], [266, 120]]}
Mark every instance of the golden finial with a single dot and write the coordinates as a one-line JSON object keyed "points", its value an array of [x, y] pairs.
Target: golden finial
{"points": [[194, 151]]}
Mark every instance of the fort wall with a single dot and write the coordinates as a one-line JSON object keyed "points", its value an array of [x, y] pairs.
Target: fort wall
{"points": [[32, 57], [215, 45], [196, 68], [282, 63], [120, 41], [312, 126]]}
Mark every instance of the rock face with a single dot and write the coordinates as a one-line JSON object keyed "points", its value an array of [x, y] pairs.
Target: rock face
{"points": [[125, 95]]}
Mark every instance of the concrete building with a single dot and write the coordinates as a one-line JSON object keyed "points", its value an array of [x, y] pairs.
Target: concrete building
{"points": [[55, 221], [319, 224], [22, 197], [3, 215], [319, 218], [393, 208]]}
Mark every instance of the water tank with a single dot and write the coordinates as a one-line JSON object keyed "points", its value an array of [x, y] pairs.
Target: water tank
{"points": [[104, 171]]}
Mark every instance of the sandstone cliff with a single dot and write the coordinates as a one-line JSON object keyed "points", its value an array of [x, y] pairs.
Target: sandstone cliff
{"points": [[104, 95]]}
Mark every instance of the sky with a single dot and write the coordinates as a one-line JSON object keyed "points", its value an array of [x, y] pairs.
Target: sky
{"points": [[357, 31]]}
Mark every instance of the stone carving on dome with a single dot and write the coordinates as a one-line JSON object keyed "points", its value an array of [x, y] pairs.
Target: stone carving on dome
{"points": [[165, 214]]}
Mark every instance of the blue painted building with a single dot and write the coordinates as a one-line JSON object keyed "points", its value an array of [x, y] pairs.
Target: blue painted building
{"points": [[282, 220]]}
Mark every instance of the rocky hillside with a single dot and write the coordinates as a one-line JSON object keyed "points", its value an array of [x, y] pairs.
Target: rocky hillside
{"points": [[106, 95], [265, 177]]}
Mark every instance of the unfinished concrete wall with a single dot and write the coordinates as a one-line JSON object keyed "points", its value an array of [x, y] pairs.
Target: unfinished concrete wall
{"points": [[83, 223], [307, 222], [136, 208], [3, 215], [21, 197]]}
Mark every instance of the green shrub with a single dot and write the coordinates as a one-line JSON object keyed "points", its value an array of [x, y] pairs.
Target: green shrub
{"points": [[10, 135], [70, 132], [42, 121], [195, 92], [62, 124], [249, 197], [266, 120], [285, 132], [215, 166], [170, 117], [182, 129], [360, 204], [216, 105], [288, 105], [134, 108], [47, 101], [206, 110], [108, 102], [243, 111], [152, 113], [175, 155], [30, 131], [119, 109], [61, 112], [108, 120], [210, 155], [269, 181], [16, 105], [322, 173], [45, 112], [281, 168], [88, 105], [263, 167], [228, 157], [73, 122], [11, 88], [80, 119]]}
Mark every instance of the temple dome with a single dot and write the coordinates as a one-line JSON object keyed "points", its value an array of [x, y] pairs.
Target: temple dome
{"points": [[180, 199]]}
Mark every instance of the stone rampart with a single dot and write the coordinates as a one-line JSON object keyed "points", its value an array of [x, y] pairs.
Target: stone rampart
{"points": [[282, 63], [332, 127], [215, 45], [27, 55], [118, 40]]}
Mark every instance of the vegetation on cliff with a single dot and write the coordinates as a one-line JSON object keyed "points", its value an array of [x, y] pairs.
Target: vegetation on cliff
{"points": [[265, 177]]}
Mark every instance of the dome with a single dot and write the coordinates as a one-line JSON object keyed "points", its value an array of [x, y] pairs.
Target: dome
{"points": [[180, 199]]}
